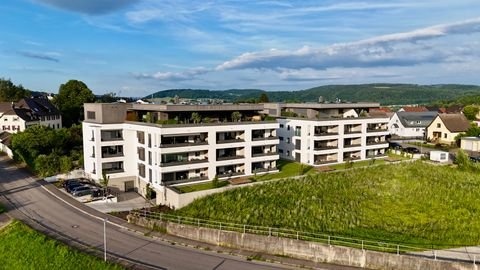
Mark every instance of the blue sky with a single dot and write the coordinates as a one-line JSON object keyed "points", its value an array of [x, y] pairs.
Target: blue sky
{"points": [[136, 47]]}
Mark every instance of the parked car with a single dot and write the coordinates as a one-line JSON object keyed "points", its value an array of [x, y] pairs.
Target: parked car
{"points": [[69, 182], [395, 145], [475, 159], [72, 186], [411, 150], [82, 191]]}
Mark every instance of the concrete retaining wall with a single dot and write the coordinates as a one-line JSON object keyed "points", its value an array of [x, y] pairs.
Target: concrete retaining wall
{"points": [[303, 249]]}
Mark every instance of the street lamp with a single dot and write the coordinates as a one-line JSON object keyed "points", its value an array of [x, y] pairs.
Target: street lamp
{"points": [[105, 239]]}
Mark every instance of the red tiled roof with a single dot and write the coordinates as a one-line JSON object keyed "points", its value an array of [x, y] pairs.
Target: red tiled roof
{"points": [[415, 109]]}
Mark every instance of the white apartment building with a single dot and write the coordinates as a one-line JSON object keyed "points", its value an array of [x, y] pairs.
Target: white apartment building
{"points": [[160, 145], [15, 117], [410, 124], [327, 133]]}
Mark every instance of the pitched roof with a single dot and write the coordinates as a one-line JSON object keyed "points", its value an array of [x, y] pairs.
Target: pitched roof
{"points": [[455, 122], [416, 119], [5, 138], [39, 106], [382, 109], [415, 109], [6, 108]]}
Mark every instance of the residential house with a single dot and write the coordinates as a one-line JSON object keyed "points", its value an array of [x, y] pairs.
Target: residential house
{"points": [[15, 117], [326, 133], [445, 127], [410, 124], [470, 144], [140, 145]]}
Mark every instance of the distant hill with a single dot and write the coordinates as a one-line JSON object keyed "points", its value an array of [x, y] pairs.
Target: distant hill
{"points": [[386, 94]]}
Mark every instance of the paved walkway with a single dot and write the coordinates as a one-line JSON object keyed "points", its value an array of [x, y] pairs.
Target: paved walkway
{"points": [[468, 254], [132, 201], [4, 220]]}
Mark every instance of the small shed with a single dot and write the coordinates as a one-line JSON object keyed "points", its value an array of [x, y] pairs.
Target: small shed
{"points": [[439, 156]]}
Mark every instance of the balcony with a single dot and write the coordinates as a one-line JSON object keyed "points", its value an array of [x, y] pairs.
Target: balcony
{"points": [[110, 155], [325, 147], [375, 143], [324, 161], [264, 154], [182, 162], [229, 157], [113, 170], [230, 174], [326, 133], [230, 141], [183, 144], [351, 145], [265, 138], [376, 156], [111, 135]]}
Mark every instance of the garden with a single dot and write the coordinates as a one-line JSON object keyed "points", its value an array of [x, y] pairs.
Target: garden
{"points": [[412, 203]]}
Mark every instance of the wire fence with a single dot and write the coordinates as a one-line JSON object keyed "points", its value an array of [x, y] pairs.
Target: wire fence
{"points": [[463, 254]]}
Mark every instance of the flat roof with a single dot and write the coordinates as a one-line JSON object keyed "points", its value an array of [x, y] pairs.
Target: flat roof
{"points": [[471, 138], [196, 108], [327, 105]]}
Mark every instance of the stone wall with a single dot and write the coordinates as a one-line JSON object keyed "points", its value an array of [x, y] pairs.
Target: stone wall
{"points": [[306, 250]]}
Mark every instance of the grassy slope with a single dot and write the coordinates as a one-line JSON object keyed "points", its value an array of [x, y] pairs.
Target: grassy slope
{"points": [[409, 203], [23, 248], [286, 169]]}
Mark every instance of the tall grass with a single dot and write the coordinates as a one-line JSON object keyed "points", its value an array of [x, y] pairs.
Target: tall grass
{"points": [[413, 203], [23, 248]]}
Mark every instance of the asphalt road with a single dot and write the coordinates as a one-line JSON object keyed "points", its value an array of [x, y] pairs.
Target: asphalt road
{"points": [[35, 206]]}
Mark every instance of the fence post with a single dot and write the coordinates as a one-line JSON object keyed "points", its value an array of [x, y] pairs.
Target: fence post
{"points": [[435, 255], [220, 226], [269, 231], [297, 235], [178, 220], [244, 228], [198, 222], [398, 249], [329, 240], [362, 244]]}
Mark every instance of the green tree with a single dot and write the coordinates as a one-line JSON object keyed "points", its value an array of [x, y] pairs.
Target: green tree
{"points": [[471, 112], [70, 99], [66, 164], [263, 98], [196, 118], [104, 182], [236, 116], [11, 92]]}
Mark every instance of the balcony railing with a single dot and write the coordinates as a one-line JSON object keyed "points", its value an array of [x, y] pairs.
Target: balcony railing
{"points": [[182, 162], [229, 158], [230, 174], [230, 141], [326, 133], [182, 144], [325, 147], [264, 154], [107, 155], [259, 170], [110, 139], [352, 131], [377, 129], [320, 162], [265, 138], [351, 145], [375, 143], [109, 171], [186, 180]]}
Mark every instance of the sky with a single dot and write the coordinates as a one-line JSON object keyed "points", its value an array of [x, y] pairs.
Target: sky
{"points": [[137, 47]]}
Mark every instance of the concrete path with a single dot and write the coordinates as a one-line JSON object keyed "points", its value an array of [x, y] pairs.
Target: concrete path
{"points": [[134, 201], [4, 220]]}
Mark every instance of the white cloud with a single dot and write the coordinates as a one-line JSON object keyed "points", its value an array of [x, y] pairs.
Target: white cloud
{"points": [[398, 49]]}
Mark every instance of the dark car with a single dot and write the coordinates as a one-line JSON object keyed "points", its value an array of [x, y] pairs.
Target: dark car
{"points": [[82, 190], [69, 182], [395, 145], [411, 150], [72, 186], [475, 159]]}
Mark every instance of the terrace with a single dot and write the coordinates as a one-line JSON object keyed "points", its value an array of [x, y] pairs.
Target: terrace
{"points": [[168, 141], [319, 145], [325, 130], [111, 135], [230, 153], [184, 158]]}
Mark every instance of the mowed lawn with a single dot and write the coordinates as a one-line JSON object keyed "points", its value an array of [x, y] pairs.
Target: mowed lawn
{"points": [[410, 203], [23, 248]]}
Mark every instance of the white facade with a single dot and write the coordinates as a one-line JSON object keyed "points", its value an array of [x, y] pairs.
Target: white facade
{"points": [[148, 153], [439, 156], [471, 144], [12, 123], [396, 127], [317, 142]]}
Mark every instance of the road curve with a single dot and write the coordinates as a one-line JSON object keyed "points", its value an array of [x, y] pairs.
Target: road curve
{"points": [[33, 205]]}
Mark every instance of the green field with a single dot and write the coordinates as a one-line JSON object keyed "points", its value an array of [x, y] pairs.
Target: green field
{"points": [[23, 248], [410, 203], [201, 186]]}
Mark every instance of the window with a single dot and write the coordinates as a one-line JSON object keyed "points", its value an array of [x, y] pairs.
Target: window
{"points": [[439, 125], [298, 131], [281, 125], [288, 153], [280, 138], [280, 151], [150, 175], [288, 140], [90, 115], [288, 127], [445, 135]]}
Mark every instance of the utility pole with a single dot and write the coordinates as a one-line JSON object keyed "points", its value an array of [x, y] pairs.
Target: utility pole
{"points": [[105, 239]]}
